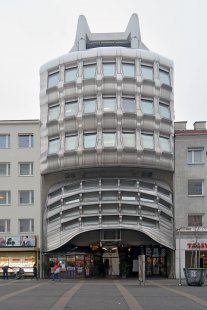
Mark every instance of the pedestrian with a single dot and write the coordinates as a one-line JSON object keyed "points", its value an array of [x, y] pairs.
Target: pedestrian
{"points": [[5, 272], [54, 271], [34, 272], [106, 267], [57, 272]]}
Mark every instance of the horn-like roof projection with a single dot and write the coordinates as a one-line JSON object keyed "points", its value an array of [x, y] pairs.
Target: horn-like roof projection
{"points": [[131, 38]]}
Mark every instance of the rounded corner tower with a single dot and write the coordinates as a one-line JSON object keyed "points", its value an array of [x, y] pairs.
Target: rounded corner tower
{"points": [[107, 150]]}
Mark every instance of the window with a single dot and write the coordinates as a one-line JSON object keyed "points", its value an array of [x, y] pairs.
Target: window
{"points": [[71, 142], [194, 220], [109, 139], [147, 140], [53, 112], [128, 69], [164, 110], [4, 169], [89, 140], [164, 143], [195, 156], [128, 139], [109, 104], [4, 141], [53, 79], [147, 72], [195, 187], [109, 69], [54, 146], [5, 197], [5, 225], [71, 74], [164, 76], [89, 105], [26, 225], [147, 106], [128, 196], [25, 140], [26, 197], [109, 195], [89, 71], [146, 198], [71, 108], [129, 105], [71, 199], [26, 169]]}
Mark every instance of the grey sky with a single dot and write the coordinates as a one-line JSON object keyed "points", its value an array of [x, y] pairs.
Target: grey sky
{"points": [[36, 31]]}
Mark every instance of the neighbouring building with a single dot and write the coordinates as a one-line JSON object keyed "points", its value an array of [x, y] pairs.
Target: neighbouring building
{"points": [[190, 196], [107, 156], [20, 221]]}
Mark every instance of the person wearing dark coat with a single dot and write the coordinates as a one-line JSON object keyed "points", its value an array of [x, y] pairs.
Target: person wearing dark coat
{"points": [[5, 272], [34, 272]]}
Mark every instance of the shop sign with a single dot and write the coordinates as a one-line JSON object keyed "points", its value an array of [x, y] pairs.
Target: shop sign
{"points": [[199, 245], [17, 241]]}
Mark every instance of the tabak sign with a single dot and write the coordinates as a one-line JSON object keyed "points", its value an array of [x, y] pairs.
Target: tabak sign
{"points": [[198, 245], [17, 241]]}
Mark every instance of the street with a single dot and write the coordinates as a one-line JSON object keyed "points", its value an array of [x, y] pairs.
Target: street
{"points": [[101, 294]]}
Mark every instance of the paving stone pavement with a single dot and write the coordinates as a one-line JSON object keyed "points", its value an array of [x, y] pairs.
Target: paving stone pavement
{"points": [[101, 294]]}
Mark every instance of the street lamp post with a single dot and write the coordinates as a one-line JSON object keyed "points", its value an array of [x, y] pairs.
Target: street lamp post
{"points": [[179, 259]]}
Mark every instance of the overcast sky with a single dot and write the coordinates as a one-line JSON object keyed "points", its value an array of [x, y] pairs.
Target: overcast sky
{"points": [[33, 32]]}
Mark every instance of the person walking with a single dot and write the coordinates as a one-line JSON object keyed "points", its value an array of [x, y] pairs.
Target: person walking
{"points": [[5, 272], [34, 272], [54, 272]]}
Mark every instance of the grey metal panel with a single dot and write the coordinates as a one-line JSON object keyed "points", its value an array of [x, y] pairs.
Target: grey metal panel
{"points": [[109, 210]]}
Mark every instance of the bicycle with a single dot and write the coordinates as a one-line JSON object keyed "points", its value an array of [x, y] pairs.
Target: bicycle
{"points": [[19, 274]]}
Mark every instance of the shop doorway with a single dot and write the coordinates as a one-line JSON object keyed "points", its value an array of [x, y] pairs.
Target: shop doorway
{"points": [[111, 261]]}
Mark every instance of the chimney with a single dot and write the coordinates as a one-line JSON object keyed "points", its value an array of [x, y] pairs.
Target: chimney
{"points": [[200, 125], [180, 125]]}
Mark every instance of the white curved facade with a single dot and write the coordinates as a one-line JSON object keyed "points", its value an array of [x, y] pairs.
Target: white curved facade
{"points": [[107, 153]]}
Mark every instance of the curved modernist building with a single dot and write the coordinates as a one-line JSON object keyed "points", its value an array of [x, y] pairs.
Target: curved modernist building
{"points": [[107, 148]]}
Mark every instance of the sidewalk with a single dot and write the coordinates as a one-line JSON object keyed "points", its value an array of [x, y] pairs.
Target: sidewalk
{"points": [[101, 294]]}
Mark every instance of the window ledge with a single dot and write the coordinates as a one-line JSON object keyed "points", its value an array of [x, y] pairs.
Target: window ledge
{"points": [[51, 89], [196, 195]]}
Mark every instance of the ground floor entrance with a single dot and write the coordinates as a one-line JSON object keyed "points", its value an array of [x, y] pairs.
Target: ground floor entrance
{"points": [[110, 261]]}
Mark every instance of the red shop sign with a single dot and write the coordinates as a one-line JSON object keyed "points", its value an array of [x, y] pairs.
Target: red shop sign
{"points": [[201, 245]]}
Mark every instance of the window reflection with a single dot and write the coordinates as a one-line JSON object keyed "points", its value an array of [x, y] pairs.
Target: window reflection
{"points": [[71, 142], [164, 110], [164, 76], [54, 112], [109, 104], [89, 71], [71, 108], [128, 69], [109, 139], [129, 105], [109, 195], [164, 143], [147, 106], [89, 140], [109, 69], [128, 196], [147, 140], [54, 145], [128, 139], [71, 74], [147, 72], [53, 79], [89, 105]]}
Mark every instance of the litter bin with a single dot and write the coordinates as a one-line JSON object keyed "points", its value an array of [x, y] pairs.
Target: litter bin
{"points": [[195, 276]]}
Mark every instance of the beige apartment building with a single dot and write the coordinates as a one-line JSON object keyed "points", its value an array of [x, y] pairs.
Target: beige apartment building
{"points": [[20, 219], [190, 196]]}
